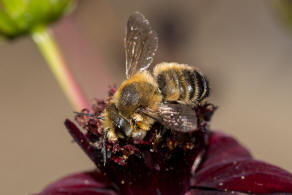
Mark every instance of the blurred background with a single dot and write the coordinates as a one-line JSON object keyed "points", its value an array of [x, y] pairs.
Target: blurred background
{"points": [[243, 46]]}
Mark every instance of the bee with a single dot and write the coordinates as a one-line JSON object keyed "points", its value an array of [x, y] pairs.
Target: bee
{"points": [[166, 93]]}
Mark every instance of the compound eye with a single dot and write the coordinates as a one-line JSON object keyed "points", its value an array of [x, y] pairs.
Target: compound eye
{"points": [[123, 128]]}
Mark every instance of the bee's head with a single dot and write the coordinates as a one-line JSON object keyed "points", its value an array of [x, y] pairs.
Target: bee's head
{"points": [[122, 126]]}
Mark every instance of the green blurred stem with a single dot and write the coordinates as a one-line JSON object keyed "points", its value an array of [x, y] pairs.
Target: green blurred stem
{"points": [[60, 70]]}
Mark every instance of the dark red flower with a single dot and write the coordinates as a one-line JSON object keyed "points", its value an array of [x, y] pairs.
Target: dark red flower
{"points": [[201, 162], [228, 167]]}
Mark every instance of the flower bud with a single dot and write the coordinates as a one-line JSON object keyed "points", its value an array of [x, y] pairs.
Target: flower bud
{"points": [[19, 17], [284, 8]]}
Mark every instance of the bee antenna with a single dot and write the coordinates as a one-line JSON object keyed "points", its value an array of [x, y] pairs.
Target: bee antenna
{"points": [[104, 149], [90, 115]]}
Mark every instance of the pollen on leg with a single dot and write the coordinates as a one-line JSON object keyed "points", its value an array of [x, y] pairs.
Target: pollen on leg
{"points": [[137, 117], [112, 136]]}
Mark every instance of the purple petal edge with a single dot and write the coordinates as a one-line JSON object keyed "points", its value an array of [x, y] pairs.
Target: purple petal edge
{"points": [[81, 139], [229, 166], [88, 183]]}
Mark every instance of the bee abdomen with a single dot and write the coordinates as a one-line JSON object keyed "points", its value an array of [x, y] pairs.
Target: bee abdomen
{"points": [[179, 82], [170, 85], [189, 82], [201, 87]]}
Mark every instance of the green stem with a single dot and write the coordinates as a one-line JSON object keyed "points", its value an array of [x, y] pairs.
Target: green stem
{"points": [[60, 70]]}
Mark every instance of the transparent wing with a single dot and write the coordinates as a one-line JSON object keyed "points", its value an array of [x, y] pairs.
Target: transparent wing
{"points": [[141, 43], [178, 117]]}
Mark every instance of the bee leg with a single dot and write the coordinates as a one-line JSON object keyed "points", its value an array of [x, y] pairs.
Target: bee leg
{"points": [[180, 102], [159, 134], [104, 149], [90, 115], [162, 130], [150, 113]]}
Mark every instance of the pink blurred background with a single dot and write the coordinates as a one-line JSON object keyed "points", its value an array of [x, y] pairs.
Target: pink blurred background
{"points": [[243, 46]]}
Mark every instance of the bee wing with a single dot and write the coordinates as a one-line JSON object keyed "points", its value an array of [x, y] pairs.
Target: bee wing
{"points": [[141, 43], [178, 117]]}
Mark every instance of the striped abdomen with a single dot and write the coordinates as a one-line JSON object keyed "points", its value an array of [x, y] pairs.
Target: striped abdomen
{"points": [[178, 82]]}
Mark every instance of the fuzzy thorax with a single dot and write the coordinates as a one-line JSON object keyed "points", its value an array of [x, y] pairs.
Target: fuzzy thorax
{"points": [[123, 118]]}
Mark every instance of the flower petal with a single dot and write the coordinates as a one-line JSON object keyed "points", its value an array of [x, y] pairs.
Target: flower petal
{"points": [[89, 183], [83, 141], [230, 167], [212, 192], [149, 172]]}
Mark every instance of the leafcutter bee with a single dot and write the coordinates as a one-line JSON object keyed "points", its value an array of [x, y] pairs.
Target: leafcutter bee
{"points": [[166, 93]]}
